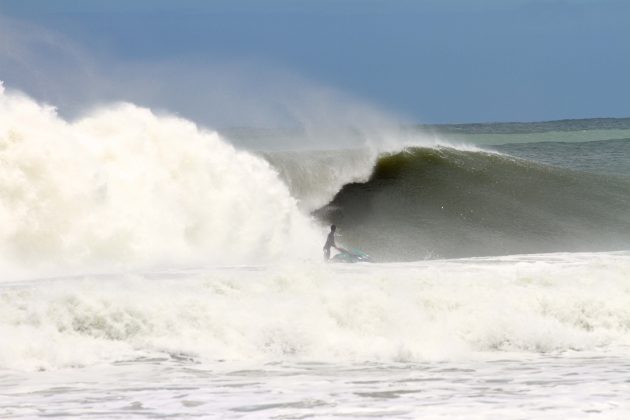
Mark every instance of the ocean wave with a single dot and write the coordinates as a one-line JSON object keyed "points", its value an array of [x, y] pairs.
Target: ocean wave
{"points": [[126, 187], [429, 202]]}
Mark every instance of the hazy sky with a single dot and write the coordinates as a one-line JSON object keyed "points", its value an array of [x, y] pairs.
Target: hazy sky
{"points": [[429, 61]]}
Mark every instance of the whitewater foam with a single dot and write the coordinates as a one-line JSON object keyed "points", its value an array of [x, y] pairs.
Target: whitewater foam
{"points": [[124, 186], [434, 310]]}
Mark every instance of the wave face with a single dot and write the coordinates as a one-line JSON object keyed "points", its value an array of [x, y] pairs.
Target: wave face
{"points": [[434, 310], [443, 202], [126, 186]]}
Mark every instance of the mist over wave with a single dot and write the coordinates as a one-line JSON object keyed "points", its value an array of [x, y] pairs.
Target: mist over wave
{"points": [[315, 177], [123, 185]]}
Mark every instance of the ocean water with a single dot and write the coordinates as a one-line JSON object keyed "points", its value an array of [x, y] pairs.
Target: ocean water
{"points": [[152, 269]]}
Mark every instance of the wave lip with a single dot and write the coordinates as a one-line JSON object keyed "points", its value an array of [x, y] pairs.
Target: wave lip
{"points": [[315, 177]]}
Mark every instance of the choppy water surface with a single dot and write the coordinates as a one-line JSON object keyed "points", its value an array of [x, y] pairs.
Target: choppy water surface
{"points": [[552, 386], [533, 336]]}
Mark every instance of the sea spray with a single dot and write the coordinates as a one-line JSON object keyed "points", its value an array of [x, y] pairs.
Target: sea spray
{"points": [[124, 186], [315, 177]]}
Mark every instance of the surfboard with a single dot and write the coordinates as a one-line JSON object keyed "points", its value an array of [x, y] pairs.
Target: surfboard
{"points": [[351, 256]]}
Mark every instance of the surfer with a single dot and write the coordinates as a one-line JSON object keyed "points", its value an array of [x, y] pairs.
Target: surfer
{"points": [[330, 242]]}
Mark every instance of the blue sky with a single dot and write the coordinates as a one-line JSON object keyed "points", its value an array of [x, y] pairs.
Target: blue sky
{"points": [[429, 61]]}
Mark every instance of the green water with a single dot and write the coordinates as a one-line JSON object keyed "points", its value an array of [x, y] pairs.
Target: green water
{"points": [[569, 131], [599, 145], [549, 136]]}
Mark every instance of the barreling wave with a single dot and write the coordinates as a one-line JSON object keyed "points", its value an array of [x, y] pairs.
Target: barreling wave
{"points": [[444, 202]]}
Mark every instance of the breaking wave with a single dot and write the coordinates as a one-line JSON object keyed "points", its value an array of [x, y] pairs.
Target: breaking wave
{"points": [[443, 202], [126, 186]]}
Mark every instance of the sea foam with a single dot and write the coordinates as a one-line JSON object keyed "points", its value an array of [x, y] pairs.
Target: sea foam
{"points": [[423, 311], [125, 186]]}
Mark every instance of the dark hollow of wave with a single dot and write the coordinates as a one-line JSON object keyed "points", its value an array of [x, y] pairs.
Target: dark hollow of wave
{"points": [[446, 203]]}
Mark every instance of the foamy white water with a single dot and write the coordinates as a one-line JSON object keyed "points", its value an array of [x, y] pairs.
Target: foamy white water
{"points": [[126, 187], [542, 387], [544, 336]]}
